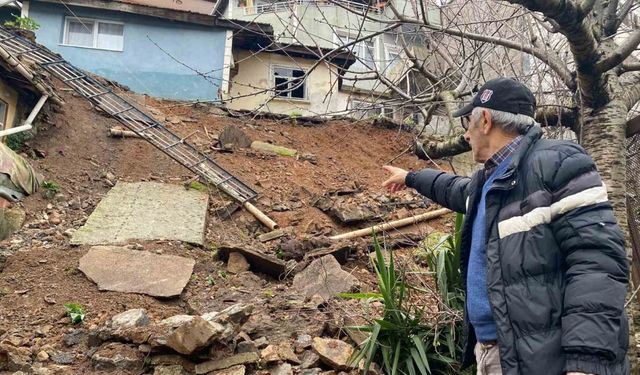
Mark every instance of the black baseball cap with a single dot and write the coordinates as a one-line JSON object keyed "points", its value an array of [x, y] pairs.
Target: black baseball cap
{"points": [[502, 94]]}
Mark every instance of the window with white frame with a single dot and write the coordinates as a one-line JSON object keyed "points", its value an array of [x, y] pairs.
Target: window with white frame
{"points": [[3, 113], [92, 33], [364, 49], [289, 82]]}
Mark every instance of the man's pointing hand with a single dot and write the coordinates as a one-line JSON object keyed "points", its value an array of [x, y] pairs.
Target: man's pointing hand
{"points": [[396, 181]]}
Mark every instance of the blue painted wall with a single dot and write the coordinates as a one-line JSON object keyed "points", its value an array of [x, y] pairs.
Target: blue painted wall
{"points": [[142, 66]]}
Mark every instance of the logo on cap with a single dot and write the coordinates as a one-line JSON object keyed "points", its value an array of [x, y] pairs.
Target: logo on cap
{"points": [[486, 95]]}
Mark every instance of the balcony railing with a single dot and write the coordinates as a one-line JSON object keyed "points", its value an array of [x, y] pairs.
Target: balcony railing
{"points": [[289, 5]]}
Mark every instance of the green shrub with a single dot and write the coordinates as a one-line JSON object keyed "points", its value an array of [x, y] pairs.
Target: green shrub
{"points": [[24, 23], [75, 311]]}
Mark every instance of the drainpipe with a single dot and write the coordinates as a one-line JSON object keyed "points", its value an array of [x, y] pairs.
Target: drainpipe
{"points": [[28, 123]]}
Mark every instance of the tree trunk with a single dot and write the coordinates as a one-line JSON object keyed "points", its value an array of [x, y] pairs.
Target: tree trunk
{"points": [[603, 136]]}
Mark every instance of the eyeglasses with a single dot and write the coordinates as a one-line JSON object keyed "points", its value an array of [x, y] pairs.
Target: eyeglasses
{"points": [[465, 121]]}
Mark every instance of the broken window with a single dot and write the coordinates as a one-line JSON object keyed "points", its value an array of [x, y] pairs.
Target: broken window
{"points": [[90, 33], [3, 114], [290, 83]]}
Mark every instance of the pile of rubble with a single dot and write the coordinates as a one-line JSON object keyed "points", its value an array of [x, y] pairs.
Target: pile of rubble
{"points": [[212, 343]]}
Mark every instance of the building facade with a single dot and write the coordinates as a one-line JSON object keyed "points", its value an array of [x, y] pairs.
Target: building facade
{"points": [[163, 52], [361, 28]]}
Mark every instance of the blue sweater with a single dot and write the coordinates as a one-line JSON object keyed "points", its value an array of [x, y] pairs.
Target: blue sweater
{"points": [[478, 306]]}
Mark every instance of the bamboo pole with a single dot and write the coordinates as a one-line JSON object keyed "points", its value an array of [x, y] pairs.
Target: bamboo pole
{"points": [[264, 219], [121, 133], [392, 224]]}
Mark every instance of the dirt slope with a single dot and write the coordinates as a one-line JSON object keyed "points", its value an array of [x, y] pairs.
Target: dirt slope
{"points": [[41, 273]]}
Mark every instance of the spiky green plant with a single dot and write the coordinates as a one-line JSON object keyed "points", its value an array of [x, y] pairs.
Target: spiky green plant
{"points": [[400, 342]]}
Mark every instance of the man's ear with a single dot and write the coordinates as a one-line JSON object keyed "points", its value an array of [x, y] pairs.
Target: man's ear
{"points": [[487, 124]]}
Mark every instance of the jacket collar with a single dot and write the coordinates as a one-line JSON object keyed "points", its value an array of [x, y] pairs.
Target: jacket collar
{"points": [[529, 138]]}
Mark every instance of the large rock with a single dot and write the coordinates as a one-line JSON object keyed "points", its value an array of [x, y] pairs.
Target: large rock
{"points": [[279, 352], [169, 370], [11, 219], [146, 211], [193, 335], [171, 360], [177, 320], [116, 356], [238, 314], [14, 358], [235, 370], [324, 277], [237, 263], [219, 364], [232, 137], [122, 270], [282, 369], [130, 318], [334, 353]]}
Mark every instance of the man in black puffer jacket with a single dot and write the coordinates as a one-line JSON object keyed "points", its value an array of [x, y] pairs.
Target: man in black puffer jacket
{"points": [[543, 260]]}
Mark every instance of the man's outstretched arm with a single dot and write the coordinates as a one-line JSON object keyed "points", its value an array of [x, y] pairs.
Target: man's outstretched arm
{"points": [[446, 189]]}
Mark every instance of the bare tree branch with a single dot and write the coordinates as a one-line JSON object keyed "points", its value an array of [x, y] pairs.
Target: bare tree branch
{"points": [[555, 63], [623, 51], [611, 18], [582, 43], [624, 11]]}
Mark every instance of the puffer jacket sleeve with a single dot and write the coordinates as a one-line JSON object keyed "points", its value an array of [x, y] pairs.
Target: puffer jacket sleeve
{"points": [[594, 326], [448, 190]]}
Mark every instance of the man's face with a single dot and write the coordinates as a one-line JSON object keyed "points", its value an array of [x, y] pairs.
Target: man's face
{"points": [[477, 135]]}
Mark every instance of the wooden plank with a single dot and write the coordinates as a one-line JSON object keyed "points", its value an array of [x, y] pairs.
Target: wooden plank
{"points": [[259, 262]]}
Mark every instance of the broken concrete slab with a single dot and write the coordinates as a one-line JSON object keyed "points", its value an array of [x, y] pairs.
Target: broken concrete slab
{"points": [[259, 262], [121, 270], [324, 277], [146, 211], [223, 363]]}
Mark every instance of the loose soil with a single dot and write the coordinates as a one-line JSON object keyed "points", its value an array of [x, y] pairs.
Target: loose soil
{"points": [[40, 273]]}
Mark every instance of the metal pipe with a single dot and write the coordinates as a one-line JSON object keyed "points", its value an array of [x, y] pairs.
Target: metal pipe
{"points": [[17, 129], [36, 109], [28, 123]]}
